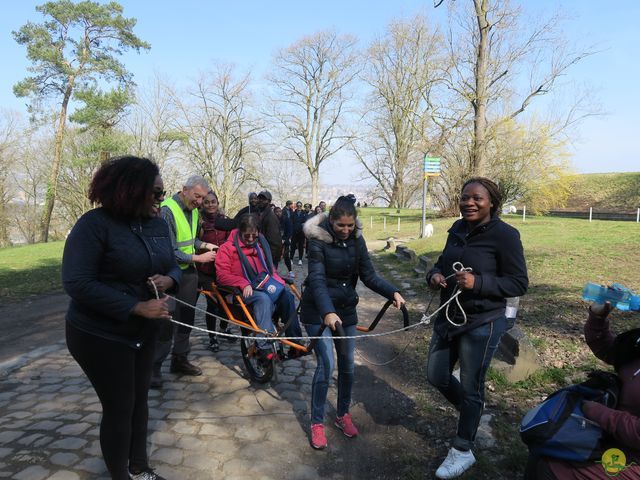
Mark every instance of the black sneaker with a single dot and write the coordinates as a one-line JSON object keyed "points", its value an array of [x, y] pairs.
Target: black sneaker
{"points": [[146, 474], [213, 345]]}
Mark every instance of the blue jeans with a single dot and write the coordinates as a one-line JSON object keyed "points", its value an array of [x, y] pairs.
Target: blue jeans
{"points": [[263, 309], [474, 349], [322, 376]]}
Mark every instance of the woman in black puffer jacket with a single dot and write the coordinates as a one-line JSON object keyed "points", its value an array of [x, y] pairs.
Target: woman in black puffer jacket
{"points": [[338, 256], [114, 256]]}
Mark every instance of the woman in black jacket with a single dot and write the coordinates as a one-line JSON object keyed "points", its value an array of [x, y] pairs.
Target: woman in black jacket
{"points": [[111, 259], [494, 268], [338, 256]]}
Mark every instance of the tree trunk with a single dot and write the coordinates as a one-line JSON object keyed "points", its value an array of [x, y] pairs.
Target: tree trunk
{"points": [[52, 181], [315, 186], [480, 104]]}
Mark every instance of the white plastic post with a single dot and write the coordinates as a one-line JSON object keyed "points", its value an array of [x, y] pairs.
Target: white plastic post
{"points": [[371, 222], [638, 216], [398, 223], [590, 213], [384, 223], [524, 213]]}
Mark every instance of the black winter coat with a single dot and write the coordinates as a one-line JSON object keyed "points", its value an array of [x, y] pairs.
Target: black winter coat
{"points": [[105, 266], [334, 269], [494, 252]]}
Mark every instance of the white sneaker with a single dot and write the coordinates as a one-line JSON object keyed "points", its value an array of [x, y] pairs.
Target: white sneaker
{"points": [[299, 262], [292, 274], [456, 463]]}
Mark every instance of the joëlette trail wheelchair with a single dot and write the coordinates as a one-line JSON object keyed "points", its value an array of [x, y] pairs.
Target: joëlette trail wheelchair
{"points": [[231, 305]]}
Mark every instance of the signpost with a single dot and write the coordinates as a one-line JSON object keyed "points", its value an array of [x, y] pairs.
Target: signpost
{"points": [[431, 169]]}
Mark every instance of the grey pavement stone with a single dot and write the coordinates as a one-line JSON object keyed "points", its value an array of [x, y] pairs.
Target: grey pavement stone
{"points": [[64, 459], [93, 449], [74, 428], [92, 418], [64, 475], [199, 461], [34, 472], [94, 465], [9, 436], [41, 442], [29, 439], [215, 431], [5, 452], [17, 424], [172, 456], [185, 428], [69, 443], [165, 439], [47, 425], [250, 433]]}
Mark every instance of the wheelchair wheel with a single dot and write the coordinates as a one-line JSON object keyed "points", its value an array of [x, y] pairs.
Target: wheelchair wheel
{"points": [[259, 371]]}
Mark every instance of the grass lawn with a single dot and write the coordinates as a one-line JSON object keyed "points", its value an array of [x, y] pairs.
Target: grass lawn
{"points": [[30, 270]]}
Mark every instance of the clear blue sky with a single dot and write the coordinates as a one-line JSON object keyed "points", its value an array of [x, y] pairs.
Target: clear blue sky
{"points": [[186, 36]]}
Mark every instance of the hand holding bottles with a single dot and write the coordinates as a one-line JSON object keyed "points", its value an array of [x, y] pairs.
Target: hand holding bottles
{"points": [[618, 295]]}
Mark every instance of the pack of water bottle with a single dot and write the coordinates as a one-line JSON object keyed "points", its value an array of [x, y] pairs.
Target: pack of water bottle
{"points": [[618, 295]]}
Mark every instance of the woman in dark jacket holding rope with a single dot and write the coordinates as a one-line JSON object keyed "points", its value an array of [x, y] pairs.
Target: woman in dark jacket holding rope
{"points": [[115, 258], [483, 259], [338, 256]]}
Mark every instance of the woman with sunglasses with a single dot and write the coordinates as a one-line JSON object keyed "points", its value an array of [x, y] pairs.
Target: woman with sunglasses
{"points": [[243, 261], [116, 258]]}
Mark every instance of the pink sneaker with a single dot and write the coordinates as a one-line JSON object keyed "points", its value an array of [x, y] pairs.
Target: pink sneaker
{"points": [[318, 439], [345, 424]]}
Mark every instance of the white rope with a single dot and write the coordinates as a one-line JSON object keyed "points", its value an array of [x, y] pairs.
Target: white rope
{"points": [[425, 320], [457, 268]]}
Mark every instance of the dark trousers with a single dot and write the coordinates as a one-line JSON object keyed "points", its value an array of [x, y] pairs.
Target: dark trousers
{"points": [[286, 254], [120, 376], [297, 243], [204, 282], [184, 313], [474, 349]]}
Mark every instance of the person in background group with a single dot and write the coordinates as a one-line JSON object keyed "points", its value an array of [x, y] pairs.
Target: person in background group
{"points": [[286, 228], [317, 210], [269, 226], [323, 206], [338, 257], [214, 229], [252, 197], [181, 214], [297, 219], [110, 258], [493, 252], [243, 257]]}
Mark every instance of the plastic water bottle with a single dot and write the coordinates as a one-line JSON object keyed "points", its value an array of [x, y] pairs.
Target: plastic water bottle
{"points": [[619, 295], [511, 310]]}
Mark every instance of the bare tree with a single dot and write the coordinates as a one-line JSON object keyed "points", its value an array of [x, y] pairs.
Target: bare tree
{"points": [[151, 126], [218, 131], [403, 70], [494, 53], [9, 147], [310, 94]]}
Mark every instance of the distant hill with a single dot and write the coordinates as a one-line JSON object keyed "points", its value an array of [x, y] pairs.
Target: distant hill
{"points": [[605, 192]]}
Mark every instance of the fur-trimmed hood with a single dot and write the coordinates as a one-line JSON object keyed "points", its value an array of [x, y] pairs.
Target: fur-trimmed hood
{"points": [[318, 228]]}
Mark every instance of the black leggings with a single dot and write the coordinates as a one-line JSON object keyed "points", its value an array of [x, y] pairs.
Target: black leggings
{"points": [[120, 376]]}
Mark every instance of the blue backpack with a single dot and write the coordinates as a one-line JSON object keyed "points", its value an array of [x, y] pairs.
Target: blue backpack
{"points": [[557, 428]]}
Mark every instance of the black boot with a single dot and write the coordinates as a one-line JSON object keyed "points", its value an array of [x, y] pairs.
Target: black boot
{"points": [[180, 364]]}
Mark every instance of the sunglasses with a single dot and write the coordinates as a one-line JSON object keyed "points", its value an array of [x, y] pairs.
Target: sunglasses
{"points": [[249, 235], [158, 194]]}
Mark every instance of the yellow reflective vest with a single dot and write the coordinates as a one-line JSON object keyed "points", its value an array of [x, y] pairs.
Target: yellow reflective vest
{"points": [[185, 233]]}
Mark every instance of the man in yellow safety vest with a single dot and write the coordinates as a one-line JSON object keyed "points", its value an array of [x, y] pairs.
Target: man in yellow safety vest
{"points": [[181, 214]]}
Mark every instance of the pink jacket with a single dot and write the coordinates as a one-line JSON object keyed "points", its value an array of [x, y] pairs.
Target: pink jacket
{"points": [[228, 267]]}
